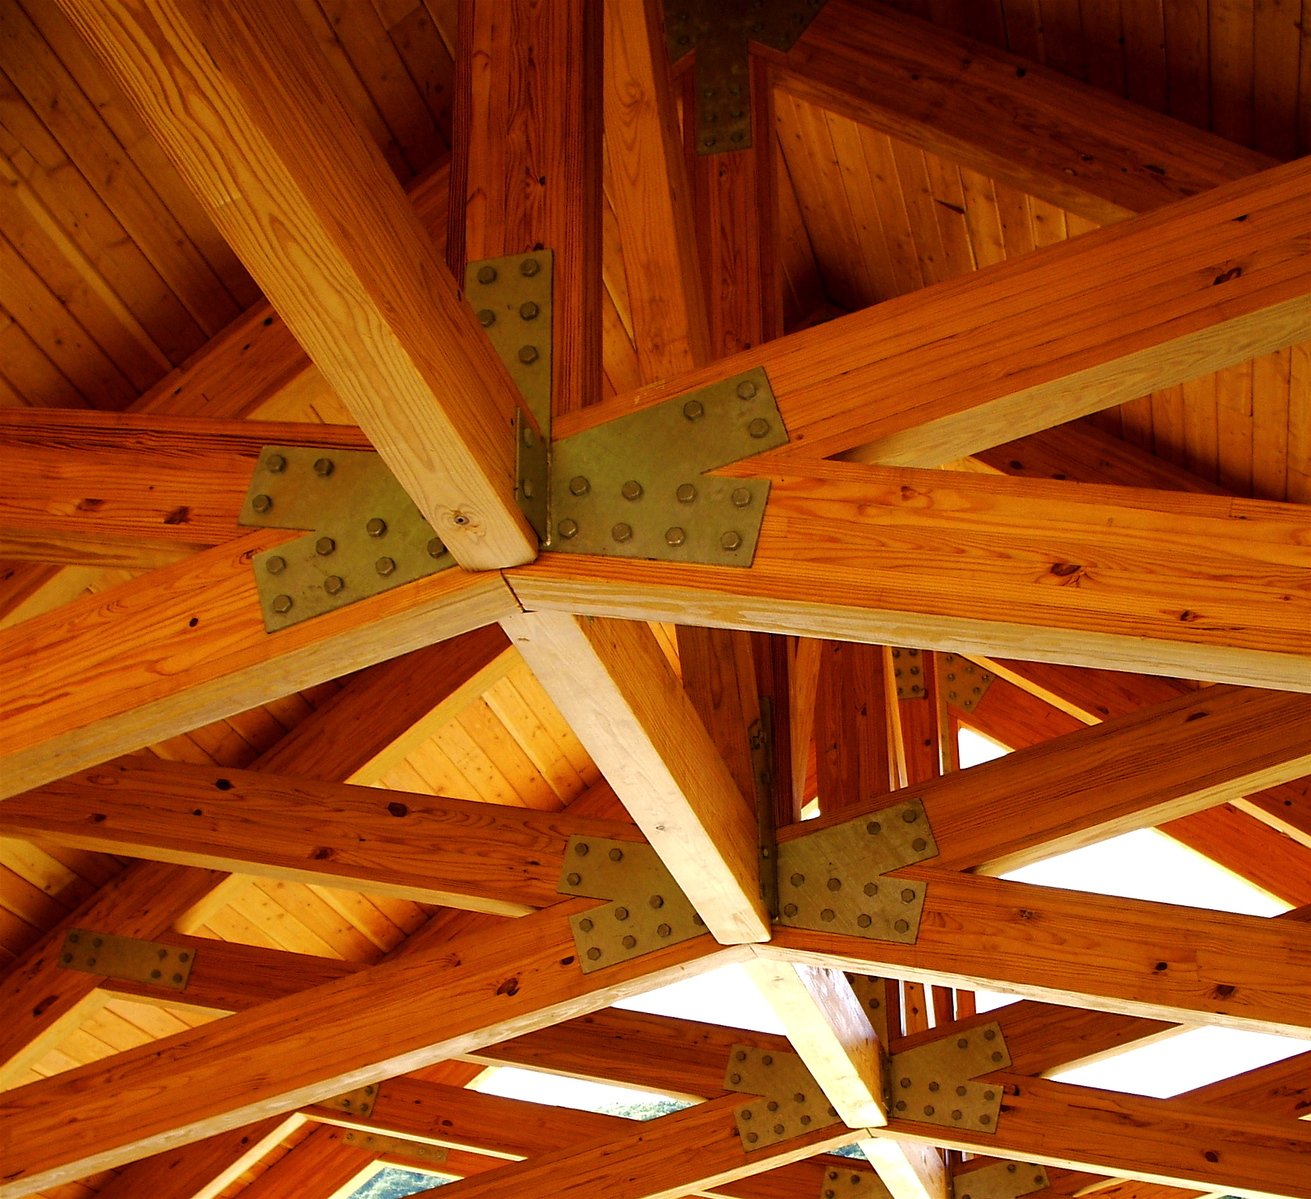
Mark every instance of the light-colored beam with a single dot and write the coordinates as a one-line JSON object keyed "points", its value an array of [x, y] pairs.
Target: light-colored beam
{"points": [[401, 1015], [429, 849], [1042, 132], [240, 96], [930, 377], [1084, 575], [186, 644], [613, 685]]}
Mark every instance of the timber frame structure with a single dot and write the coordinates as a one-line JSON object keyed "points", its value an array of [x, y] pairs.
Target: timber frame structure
{"points": [[356, 832]]}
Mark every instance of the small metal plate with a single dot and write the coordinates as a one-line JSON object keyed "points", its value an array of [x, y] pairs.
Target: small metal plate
{"points": [[635, 488], [354, 1103], [963, 682], [932, 1082], [368, 535], [791, 1101], [832, 880], [649, 909], [1000, 1180], [872, 992], [402, 1147], [908, 674], [852, 1184], [127, 959]]}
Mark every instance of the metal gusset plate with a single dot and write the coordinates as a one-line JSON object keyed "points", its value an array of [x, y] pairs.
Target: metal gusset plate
{"points": [[420, 1152], [963, 683], [908, 674], [833, 880], [933, 1083], [367, 538], [635, 488], [128, 959], [852, 1184], [649, 909], [790, 1103], [1000, 1180]]}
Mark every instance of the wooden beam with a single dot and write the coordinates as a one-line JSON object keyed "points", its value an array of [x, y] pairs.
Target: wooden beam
{"points": [[930, 377], [131, 490], [851, 724], [1039, 131], [430, 849], [185, 645], [526, 171], [351, 269], [394, 1018], [1146, 959], [612, 683], [1087, 584]]}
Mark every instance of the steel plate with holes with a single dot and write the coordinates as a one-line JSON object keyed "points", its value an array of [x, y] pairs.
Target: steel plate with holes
{"points": [[635, 488], [649, 909], [908, 674], [963, 682], [853, 1184], [367, 538], [388, 1146], [872, 992], [1000, 1180], [790, 1102], [833, 880], [127, 959], [355, 1103], [932, 1082]]}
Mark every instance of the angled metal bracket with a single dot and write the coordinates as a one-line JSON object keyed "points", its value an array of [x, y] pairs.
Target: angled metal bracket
{"points": [[358, 1102], [719, 31], [999, 1180], [648, 908], [932, 1083], [367, 538], [420, 1152], [790, 1102], [852, 1184], [833, 880], [511, 297], [636, 487], [128, 959], [761, 741], [908, 674], [963, 682]]}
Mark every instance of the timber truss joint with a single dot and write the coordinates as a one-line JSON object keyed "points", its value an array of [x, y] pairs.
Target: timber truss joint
{"points": [[790, 1101], [933, 1083], [127, 959]]}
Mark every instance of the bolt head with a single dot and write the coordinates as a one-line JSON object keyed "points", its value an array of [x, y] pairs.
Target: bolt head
{"points": [[731, 541], [282, 604], [526, 486], [528, 355], [435, 547], [325, 546], [486, 274], [333, 584], [567, 528], [758, 428], [262, 503], [529, 267], [632, 490], [376, 527], [579, 485], [686, 493], [276, 564], [323, 467], [275, 463], [741, 497], [385, 566], [746, 390], [694, 410], [486, 318], [529, 311], [675, 536], [622, 532]]}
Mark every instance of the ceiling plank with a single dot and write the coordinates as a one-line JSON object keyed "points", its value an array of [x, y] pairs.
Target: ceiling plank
{"points": [[186, 644], [1120, 955], [614, 686], [930, 377], [405, 1013], [350, 269], [1042, 132], [971, 563], [430, 849]]}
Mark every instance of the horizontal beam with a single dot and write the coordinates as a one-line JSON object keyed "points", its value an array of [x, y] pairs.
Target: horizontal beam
{"points": [[1185, 965], [430, 849], [1198, 586], [185, 645], [391, 1019], [1048, 135], [931, 377]]}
